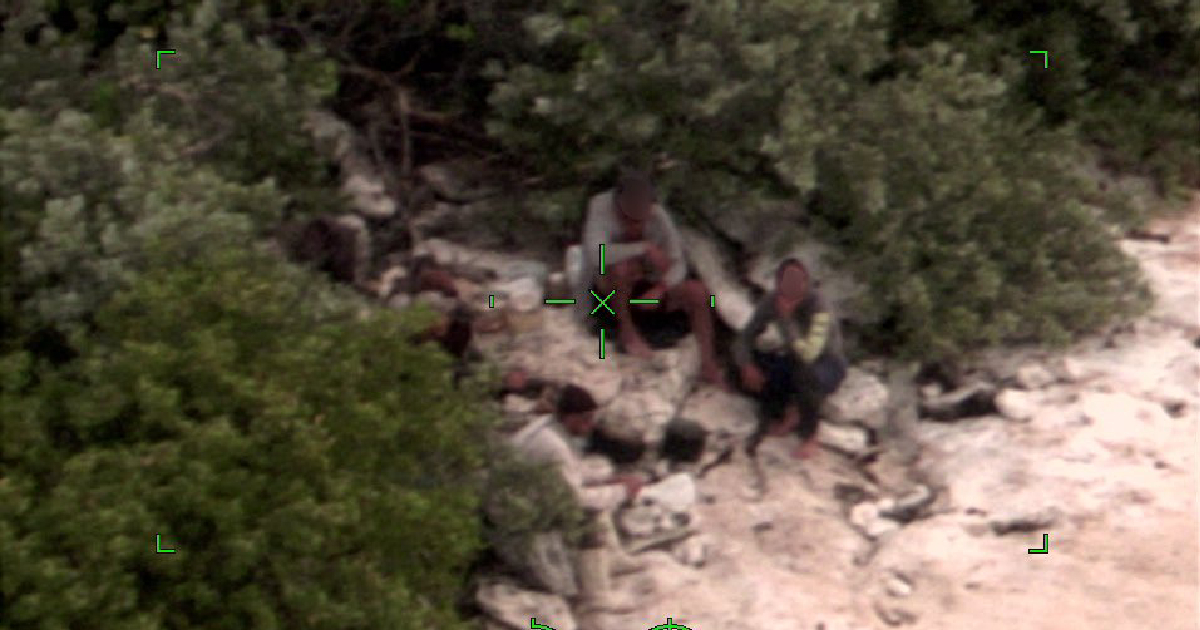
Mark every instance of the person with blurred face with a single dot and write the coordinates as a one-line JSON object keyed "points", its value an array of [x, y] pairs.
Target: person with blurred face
{"points": [[644, 260], [793, 380]]}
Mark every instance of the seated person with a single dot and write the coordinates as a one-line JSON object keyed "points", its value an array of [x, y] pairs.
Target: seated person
{"points": [[644, 260], [792, 381], [548, 440]]}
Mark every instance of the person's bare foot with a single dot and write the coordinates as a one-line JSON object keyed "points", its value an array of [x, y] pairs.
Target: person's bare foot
{"points": [[806, 449], [636, 346]]}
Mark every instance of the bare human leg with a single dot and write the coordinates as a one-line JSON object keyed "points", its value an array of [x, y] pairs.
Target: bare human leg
{"points": [[692, 297], [621, 277]]}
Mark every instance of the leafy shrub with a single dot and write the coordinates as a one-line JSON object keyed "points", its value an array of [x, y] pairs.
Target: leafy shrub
{"points": [[972, 228], [308, 465], [923, 170]]}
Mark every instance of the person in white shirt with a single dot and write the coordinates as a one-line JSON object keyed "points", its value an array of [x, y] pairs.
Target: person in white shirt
{"points": [[644, 260], [547, 440]]}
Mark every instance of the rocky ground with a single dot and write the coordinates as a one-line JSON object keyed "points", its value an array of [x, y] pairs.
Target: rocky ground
{"points": [[1095, 447], [921, 507]]}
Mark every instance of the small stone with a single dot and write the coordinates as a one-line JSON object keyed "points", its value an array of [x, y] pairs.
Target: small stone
{"points": [[866, 517], [893, 616], [693, 552], [898, 585], [1015, 404], [848, 439]]}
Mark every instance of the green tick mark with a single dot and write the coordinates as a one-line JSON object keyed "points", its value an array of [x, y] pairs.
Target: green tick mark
{"points": [[601, 343], [1045, 545], [158, 57], [670, 625], [158, 545], [639, 301], [602, 259]]}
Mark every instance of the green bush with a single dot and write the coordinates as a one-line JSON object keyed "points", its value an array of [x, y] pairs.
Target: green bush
{"points": [[309, 466], [971, 227], [962, 212]]}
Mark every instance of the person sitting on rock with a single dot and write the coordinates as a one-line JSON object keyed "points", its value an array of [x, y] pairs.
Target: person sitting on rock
{"points": [[644, 260], [546, 440], [792, 381]]}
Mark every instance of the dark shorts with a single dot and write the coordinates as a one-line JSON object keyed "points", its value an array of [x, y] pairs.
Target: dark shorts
{"points": [[661, 328], [790, 382]]}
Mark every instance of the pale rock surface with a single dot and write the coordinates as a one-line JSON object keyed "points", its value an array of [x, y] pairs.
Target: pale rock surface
{"points": [[845, 438], [1016, 404], [1034, 376], [861, 398], [1102, 466], [513, 606]]}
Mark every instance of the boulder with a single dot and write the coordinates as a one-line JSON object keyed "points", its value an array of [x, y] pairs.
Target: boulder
{"points": [[514, 607], [1034, 376], [1016, 404], [862, 398]]}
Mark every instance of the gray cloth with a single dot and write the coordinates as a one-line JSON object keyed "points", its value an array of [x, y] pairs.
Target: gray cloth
{"points": [[602, 226]]}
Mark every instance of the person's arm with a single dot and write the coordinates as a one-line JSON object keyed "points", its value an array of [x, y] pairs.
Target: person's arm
{"points": [[744, 342], [809, 347], [601, 227], [673, 248], [592, 494]]}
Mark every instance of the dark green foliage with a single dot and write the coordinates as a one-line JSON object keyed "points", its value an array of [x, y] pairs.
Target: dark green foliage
{"points": [[932, 170], [310, 467], [971, 228]]}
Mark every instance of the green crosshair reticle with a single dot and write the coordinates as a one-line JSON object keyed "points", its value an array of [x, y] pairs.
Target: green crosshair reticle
{"points": [[602, 302]]}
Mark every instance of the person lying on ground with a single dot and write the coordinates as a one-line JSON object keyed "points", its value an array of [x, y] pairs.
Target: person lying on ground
{"points": [[791, 382], [547, 440], [644, 260]]}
